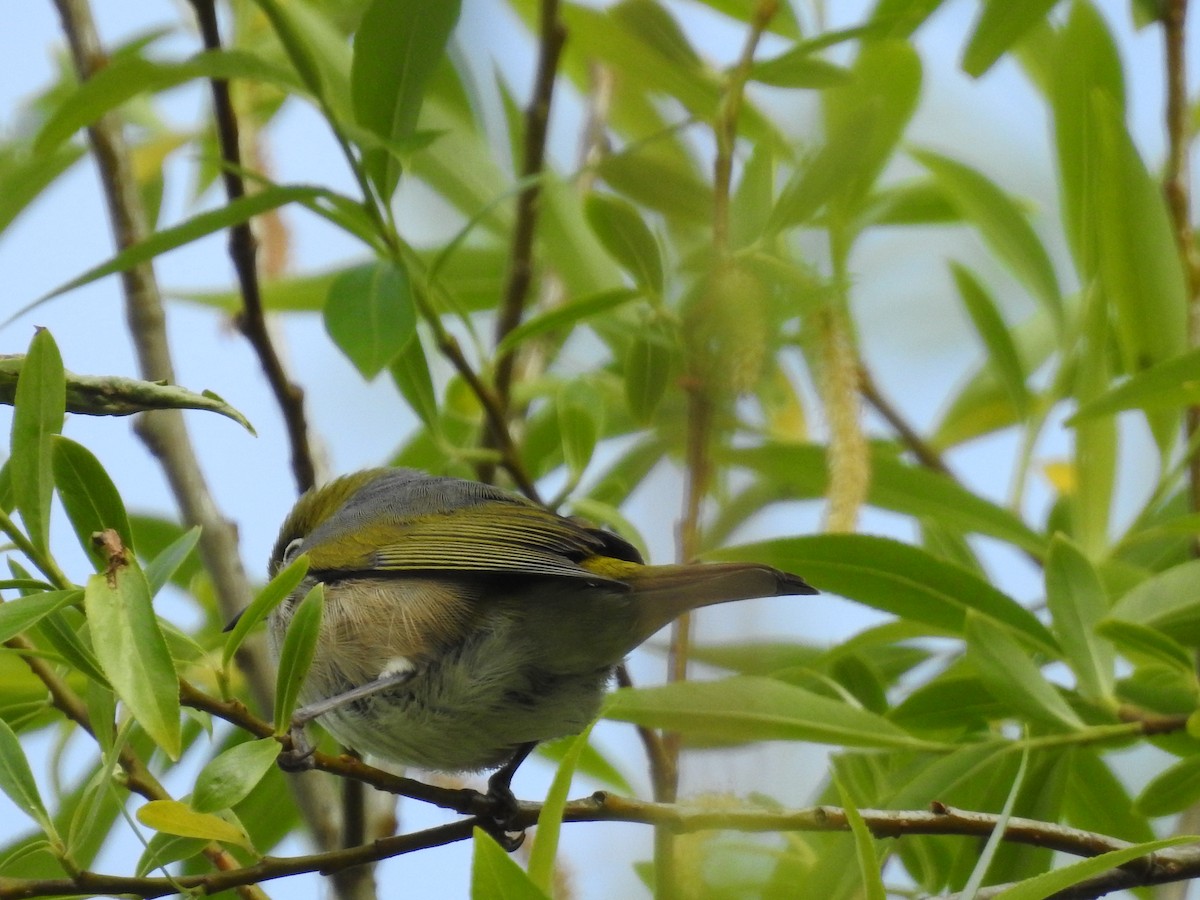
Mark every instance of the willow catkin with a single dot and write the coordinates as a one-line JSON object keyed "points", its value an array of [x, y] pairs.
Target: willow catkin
{"points": [[849, 458]]}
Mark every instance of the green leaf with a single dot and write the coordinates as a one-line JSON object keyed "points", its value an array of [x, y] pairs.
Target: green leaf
{"points": [[1001, 24], [1141, 644], [130, 76], [1171, 384], [88, 494], [495, 876], [160, 569], [988, 854], [648, 364], [627, 237], [205, 223], [1139, 266], [1013, 678], [16, 780], [18, 615], [997, 340], [370, 315], [1049, 883], [398, 45], [279, 587], [580, 409], [38, 416], [1001, 224], [917, 202], [748, 708], [1077, 603], [132, 651], [864, 847], [111, 395], [549, 823], [316, 49], [897, 578], [173, 817], [1172, 790], [801, 471], [410, 372], [799, 68], [566, 316], [296, 655], [1168, 602], [231, 776], [24, 177]]}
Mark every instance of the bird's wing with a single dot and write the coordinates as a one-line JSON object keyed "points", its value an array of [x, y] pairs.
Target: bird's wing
{"points": [[492, 536]]}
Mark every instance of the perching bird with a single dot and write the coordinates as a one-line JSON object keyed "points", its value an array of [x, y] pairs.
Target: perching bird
{"points": [[463, 624]]}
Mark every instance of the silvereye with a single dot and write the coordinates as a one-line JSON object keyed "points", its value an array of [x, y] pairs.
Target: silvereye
{"points": [[464, 624]]}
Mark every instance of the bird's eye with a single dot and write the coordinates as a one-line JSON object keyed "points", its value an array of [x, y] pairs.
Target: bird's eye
{"points": [[293, 547]]}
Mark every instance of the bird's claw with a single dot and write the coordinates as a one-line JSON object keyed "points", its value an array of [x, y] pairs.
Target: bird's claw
{"points": [[499, 819], [299, 757]]}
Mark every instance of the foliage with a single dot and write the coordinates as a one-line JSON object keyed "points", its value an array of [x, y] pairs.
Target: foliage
{"points": [[678, 303]]}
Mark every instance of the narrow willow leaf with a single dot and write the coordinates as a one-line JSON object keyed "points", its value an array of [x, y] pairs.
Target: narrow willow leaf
{"points": [[864, 847], [1050, 883], [1095, 458], [38, 416], [279, 587], [317, 51], [205, 223], [647, 374], [1138, 264], [495, 876], [231, 776], [130, 646], [296, 655], [799, 68], [396, 49], [173, 817], [627, 237], [16, 780], [410, 372], [992, 846], [747, 708], [1001, 24], [1171, 384], [24, 177], [160, 569], [897, 578], [129, 76], [1168, 602], [591, 763], [997, 339], [1172, 790], [580, 410], [1077, 603], [111, 395], [918, 202], [1013, 677], [88, 494], [24, 612], [1141, 644], [370, 315], [895, 485], [549, 823], [566, 316], [1001, 224]]}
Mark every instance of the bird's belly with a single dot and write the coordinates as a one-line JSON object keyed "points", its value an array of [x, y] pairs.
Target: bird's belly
{"points": [[444, 721]]}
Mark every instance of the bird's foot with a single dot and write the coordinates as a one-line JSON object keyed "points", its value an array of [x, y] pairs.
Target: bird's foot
{"points": [[299, 758], [500, 815]]}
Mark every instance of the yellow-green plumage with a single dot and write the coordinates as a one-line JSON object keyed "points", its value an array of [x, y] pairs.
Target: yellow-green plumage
{"points": [[509, 617]]}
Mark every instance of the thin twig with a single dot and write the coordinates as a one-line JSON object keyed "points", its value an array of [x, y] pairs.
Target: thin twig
{"points": [[916, 445], [243, 249], [552, 36]]}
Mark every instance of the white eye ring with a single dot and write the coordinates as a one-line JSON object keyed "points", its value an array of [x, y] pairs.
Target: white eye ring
{"points": [[293, 547]]}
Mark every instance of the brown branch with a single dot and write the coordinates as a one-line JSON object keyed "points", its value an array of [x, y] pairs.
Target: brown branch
{"points": [[1173, 864], [913, 442], [243, 249], [164, 431], [552, 36]]}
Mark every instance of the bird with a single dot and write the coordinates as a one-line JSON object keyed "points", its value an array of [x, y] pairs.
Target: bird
{"points": [[464, 624]]}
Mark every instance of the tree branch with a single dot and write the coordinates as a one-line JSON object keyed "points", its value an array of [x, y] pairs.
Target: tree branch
{"points": [[243, 249]]}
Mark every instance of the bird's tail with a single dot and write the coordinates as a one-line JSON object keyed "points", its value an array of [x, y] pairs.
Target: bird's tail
{"points": [[666, 592]]}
